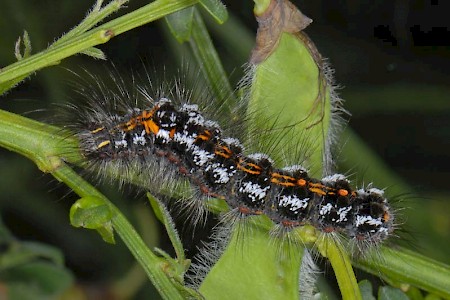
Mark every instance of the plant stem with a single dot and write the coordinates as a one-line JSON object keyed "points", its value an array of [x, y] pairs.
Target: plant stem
{"points": [[209, 61], [41, 144], [96, 36], [151, 264], [342, 267], [95, 16], [406, 267]]}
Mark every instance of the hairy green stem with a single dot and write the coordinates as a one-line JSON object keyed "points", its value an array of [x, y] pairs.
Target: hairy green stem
{"points": [[93, 18], [96, 36]]}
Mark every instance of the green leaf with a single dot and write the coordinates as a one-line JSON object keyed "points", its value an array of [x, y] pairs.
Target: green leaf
{"points": [[261, 6], [7, 85], [107, 233], [90, 212], [217, 206], [287, 91], [20, 253], [253, 267], [163, 215], [366, 290], [26, 45], [95, 53], [37, 280], [216, 9], [414, 293], [390, 293], [180, 24], [93, 213], [432, 297]]}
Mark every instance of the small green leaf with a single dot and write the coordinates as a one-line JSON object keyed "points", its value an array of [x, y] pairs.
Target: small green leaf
{"points": [[366, 290], [107, 233], [414, 293], [261, 6], [90, 212], [432, 297], [390, 293], [216, 9], [163, 215], [95, 53], [93, 213], [180, 24], [26, 46]]}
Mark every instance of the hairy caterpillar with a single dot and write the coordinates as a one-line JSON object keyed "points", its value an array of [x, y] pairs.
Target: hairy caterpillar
{"points": [[162, 137]]}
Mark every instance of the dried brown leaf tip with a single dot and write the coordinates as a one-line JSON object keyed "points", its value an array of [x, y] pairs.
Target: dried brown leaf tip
{"points": [[280, 16]]}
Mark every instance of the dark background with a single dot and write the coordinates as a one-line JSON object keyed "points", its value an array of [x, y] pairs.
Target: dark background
{"points": [[391, 57]]}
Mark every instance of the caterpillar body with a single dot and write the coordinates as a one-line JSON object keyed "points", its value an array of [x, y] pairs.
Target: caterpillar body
{"points": [[178, 141]]}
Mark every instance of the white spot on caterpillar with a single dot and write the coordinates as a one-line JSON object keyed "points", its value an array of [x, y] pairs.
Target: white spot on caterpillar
{"points": [[342, 213], [173, 119], [195, 118], [376, 191], [294, 202], [220, 173], [233, 142], [185, 139], [361, 220], [294, 168], [334, 178], [254, 190], [122, 143], [212, 124], [163, 101], [188, 107], [201, 156], [260, 156], [164, 135], [325, 209], [139, 139]]}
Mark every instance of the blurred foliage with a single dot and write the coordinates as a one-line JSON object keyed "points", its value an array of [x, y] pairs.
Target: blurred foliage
{"points": [[391, 57], [31, 270]]}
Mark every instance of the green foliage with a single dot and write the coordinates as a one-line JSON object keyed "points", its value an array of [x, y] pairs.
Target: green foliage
{"points": [[31, 270], [274, 271], [93, 213]]}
